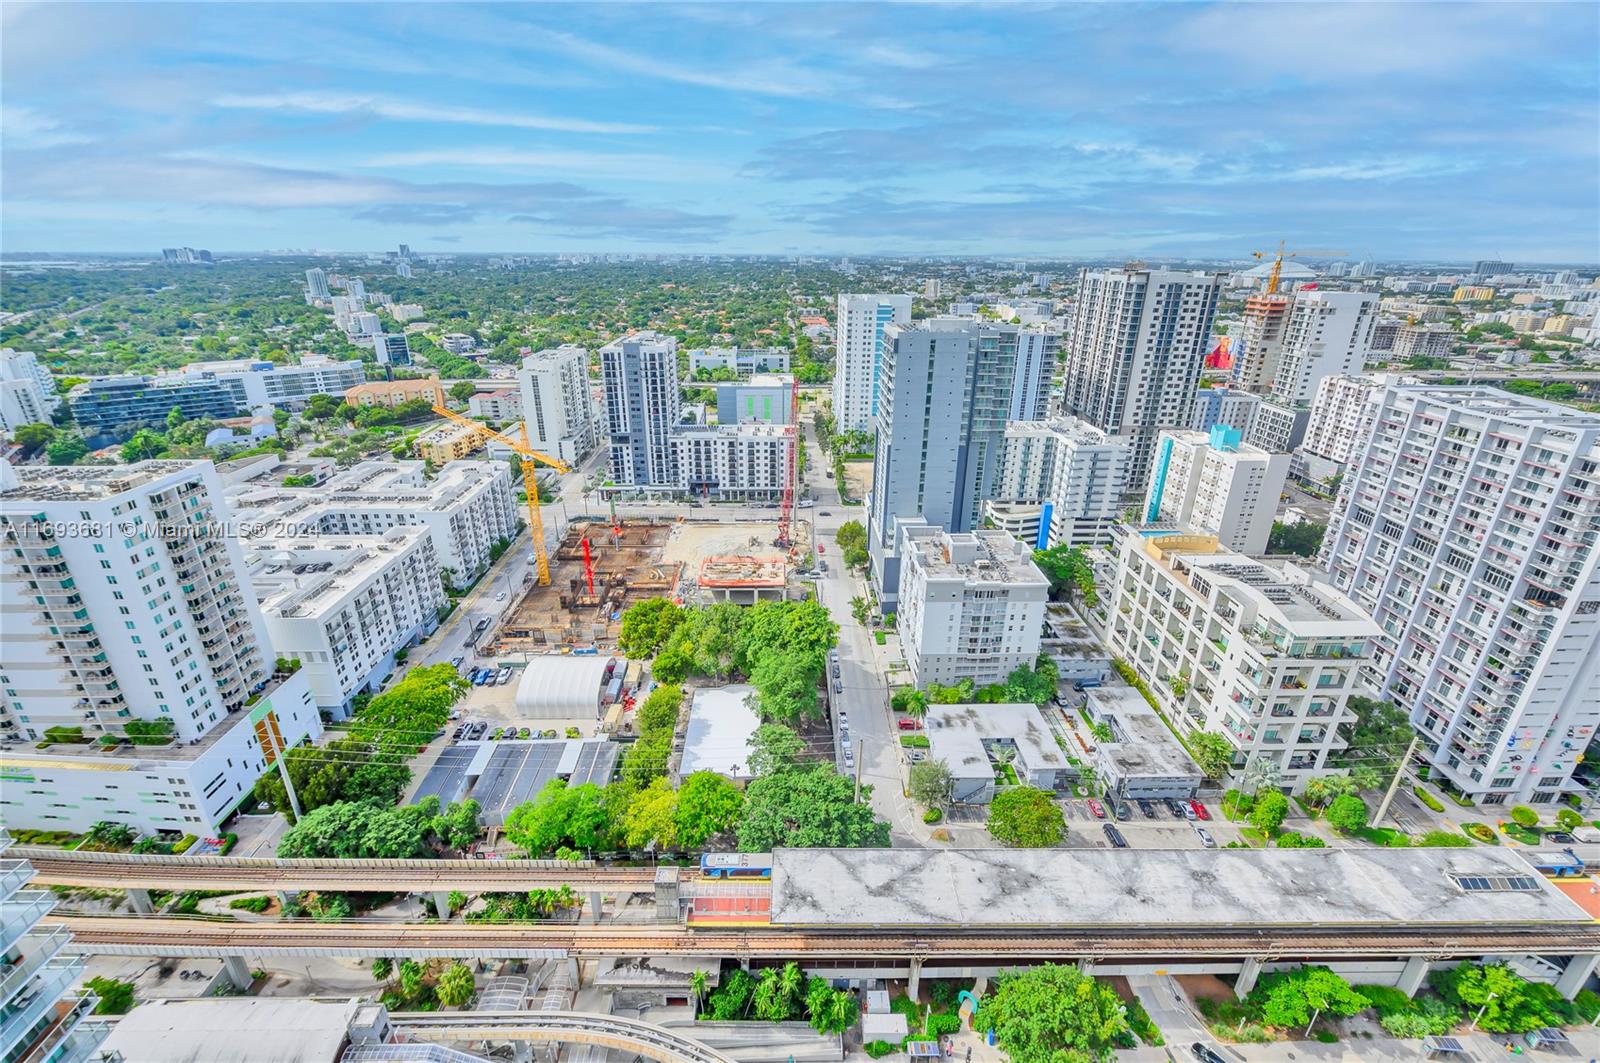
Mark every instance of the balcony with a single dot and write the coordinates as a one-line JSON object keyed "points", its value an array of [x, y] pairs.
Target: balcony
{"points": [[38, 948], [22, 910]]}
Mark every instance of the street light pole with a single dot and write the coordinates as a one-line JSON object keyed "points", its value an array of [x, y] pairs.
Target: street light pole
{"points": [[1487, 1000]]}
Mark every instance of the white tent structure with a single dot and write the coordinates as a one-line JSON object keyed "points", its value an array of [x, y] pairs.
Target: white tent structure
{"points": [[562, 688]]}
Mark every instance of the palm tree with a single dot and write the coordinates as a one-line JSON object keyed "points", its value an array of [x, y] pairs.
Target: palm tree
{"points": [[790, 982], [1262, 773]]}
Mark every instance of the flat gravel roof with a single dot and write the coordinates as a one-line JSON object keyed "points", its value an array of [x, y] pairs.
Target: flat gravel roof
{"points": [[1157, 888]]}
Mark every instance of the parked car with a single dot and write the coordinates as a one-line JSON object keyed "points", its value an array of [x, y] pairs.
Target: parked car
{"points": [[455, 662], [1204, 1054], [479, 676], [1205, 838], [918, 756], [836, 669], [838, 687], [478, 731], [1188, 811], [1122, 810], [489, 679], [1176, 807], [500, 597], [456, 735], [1200, 809], [1560, 837], [1096, 808], [503, 676], [844, 719], [906, 723], [1148, 808], [824, 513], [1114, 836], [455, 714]]}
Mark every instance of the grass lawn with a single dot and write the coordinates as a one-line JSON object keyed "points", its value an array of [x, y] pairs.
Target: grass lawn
{"points": [[1522, 834], [1253, 836], [1384, 836]]}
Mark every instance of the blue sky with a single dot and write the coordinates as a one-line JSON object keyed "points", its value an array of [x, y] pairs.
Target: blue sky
{"points": [[1423, 130]]}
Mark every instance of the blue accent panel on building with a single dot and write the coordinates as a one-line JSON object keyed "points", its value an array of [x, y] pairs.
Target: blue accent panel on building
{"points": [[1042, 542], [1159, 483], [1223, 438]]}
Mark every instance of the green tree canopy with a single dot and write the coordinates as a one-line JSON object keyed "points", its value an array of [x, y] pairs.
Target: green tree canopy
{"points": [[560, 815], [775, 747], [932, 784], [1026, 817], [1347, 813], [708, 805], [1295, 998], [807, 808], [1054, 1014], [1212, 752], [1068, 570], [1269, 810], [647, 625], [455, 985], [1509, 1002], [1303, 538], [351, 830]]}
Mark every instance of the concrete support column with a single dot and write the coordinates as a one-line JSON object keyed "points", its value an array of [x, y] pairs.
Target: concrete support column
{"points": [[1412, 977], [1248, 973], [572, 970], [139, 901], [288, 897], [596, 905], [1576, 976], [915, 981], [667, 895], [522, 1051], [236, 971], [441, 905], [1086, 966]]}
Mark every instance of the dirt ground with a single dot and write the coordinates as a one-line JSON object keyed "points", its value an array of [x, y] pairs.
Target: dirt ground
{"points": [[858, 474], [1205, 987], [691, 544]]}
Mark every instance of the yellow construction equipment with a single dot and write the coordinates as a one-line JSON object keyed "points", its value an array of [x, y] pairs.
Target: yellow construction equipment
{"points": [[529, 457], [1281, 254]]}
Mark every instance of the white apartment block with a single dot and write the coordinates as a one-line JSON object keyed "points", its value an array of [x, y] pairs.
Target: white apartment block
{"points": [[747, 461], [1066, 473], [644, 405], [1037, 350], [1423, 341], [1261, 654], [27, 394], [1327, 333], [190, 787], [317, 284], [1134, 357], [1278, 426], [1466, 526], [1226, 406], [743, 361], [858, 333], [261, 383], [458, 343], [343, 607], [404, 312], [124, 596], [558, 404], [1218, 486], [1341, 416], [364, 323], [971, 606], [466, 508], [496, 407]]}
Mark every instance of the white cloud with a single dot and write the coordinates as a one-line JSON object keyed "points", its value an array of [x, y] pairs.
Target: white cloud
{"points": [[637, 167], [410, 111], [25, 127]]}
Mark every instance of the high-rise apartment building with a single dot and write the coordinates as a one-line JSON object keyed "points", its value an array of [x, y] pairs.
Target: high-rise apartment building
{"points": [[1259, 653], [857, 337], [644, 405], [557, 403], [317, 284], [766, 397], [392, 348], [1341, 416], [127, 599], [1060, 480], [27, 394], [1326, 333], [1466, 526], [1489, 267], [1134, 357], [356, 289], [973, 607], [1037, 350], [945, 395], [1217, 485]]}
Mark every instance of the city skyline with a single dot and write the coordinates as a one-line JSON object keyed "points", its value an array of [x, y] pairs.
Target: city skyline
{"points": [[1171, 131]]}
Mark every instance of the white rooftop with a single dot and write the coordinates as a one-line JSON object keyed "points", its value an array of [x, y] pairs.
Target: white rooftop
{"points": [[717, 738], [958, 731], [240, 1030]]}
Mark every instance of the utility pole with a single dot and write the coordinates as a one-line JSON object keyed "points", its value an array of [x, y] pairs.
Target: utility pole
{"points": [[283, 769], [1394, 784]]}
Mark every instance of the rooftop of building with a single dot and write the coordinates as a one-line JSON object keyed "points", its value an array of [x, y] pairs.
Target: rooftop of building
{"points": [[58, 483], [448, 432], [382, 485], [1280, 590], [717, 736], [963, 728], [303, 576], [1505, 405], [647, 337], [743, 572], [1161, 888], [253, 1029], [126, 756], [1071, 428], [1143, 744], [982, 557]]}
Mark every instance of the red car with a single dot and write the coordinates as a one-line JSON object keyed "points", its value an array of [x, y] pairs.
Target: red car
{"points": [[908, 724], [1199, 810], [1098, 810]]}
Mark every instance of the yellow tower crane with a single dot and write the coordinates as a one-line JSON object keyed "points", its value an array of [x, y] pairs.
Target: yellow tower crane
{"points": [[1281, 254], [529, 457]]}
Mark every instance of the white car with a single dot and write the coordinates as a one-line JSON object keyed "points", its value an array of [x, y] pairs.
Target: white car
{"points": [[500, 597]]}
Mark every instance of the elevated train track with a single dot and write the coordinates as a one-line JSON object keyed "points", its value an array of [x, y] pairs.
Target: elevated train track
{"points": [[160, 936]]}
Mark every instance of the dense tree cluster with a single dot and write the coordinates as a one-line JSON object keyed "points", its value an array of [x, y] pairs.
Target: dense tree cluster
{"points": [[1055, 1014], [372, 829]]}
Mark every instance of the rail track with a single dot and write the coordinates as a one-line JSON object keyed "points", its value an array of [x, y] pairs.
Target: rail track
{"points": [[633, 1036], [198, 937], [125, 871]]}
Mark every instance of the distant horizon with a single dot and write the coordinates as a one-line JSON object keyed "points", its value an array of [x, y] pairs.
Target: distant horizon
{"points": [[1032, 258], [1396, 132]]}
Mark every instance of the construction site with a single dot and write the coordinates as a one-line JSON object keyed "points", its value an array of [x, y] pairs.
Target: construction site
{"points": [[601, 568]]}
